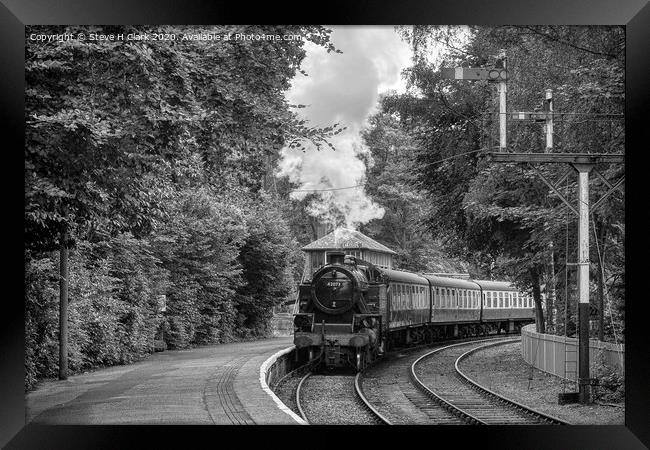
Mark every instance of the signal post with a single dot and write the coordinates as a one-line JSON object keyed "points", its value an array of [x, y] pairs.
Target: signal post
{"points": [[582, 163]]}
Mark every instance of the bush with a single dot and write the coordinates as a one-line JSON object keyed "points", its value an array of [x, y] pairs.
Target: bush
{"points": [[610, 381]]}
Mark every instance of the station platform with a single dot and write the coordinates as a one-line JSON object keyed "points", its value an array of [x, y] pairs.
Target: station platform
{"points": [[218, 384]]}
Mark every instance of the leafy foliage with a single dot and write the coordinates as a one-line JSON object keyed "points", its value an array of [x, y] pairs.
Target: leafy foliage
{"points": [[152, 158], [503, 218]]}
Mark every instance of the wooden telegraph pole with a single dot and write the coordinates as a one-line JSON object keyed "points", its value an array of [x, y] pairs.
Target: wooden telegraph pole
{"points": [[582, 163], [63, 306]]}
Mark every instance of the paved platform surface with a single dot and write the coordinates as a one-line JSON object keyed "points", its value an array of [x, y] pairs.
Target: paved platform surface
{"points": [[208, 385]]}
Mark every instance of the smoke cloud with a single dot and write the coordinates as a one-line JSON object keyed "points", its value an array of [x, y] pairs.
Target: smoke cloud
{"points": [[342, 88]]}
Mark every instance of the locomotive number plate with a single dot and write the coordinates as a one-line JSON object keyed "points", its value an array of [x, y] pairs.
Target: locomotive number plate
{"points": [[334, 284]]}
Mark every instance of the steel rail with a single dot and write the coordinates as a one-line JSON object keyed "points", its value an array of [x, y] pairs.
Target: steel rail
{"points": [[503, 399], [435, 397], [302, 411], [364, 401]]}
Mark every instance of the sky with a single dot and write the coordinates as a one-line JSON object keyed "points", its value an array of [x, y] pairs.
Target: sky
{"points": [[343, 88]]}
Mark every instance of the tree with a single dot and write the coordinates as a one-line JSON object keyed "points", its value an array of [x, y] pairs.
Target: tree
{"points": [[120, 135], [503, 217]]}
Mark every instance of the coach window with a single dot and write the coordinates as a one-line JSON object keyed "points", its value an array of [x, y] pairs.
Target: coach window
{"points": [[396, 296], [500, 301], [399, 296], [407, 297]]}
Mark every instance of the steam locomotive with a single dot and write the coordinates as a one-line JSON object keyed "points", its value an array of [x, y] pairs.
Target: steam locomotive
{"points": [[352, 311]]}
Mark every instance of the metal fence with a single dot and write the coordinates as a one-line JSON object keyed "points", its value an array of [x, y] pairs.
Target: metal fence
{"points": [[558, 355]]}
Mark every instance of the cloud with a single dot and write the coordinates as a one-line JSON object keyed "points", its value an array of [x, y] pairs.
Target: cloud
{"points": [[343, 88]]}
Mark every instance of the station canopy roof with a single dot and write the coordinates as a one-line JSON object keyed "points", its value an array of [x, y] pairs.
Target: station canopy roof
{"points": [[343, 238]]}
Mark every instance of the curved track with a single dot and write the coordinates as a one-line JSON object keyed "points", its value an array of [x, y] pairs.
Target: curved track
{"points": [[389, 390], [438, 376]]}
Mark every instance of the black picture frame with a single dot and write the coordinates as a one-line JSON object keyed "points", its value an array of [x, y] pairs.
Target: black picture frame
{"points": [[634, 14]]}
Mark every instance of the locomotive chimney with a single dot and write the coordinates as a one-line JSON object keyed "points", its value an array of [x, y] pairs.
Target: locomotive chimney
{"points": [[335, 257]]}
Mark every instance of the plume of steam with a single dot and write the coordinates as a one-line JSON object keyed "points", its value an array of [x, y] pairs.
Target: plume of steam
{"points": [[342, 88]]}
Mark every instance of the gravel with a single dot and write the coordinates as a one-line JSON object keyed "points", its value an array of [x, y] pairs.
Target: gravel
{"points": [[286, 392], [330, 400], [502, 370]]}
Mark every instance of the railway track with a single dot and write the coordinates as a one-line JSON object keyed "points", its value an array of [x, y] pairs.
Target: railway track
{"points": [[438, 376], [335, 400], [391, 392]]}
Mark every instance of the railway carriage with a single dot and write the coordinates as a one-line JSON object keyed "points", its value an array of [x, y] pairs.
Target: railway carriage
{"points": [[351, 310]]}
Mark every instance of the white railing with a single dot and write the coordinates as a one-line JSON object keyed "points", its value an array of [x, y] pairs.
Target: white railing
{"points": [[550, 353]]}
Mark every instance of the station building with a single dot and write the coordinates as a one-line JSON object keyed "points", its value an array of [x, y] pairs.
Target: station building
{"points": [[353, 243]]}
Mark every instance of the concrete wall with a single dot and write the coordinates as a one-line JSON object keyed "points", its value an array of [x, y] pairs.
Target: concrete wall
{"points": [[278, 366], [547, 352]]}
